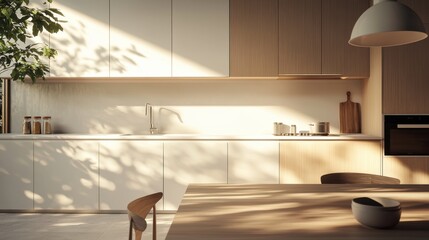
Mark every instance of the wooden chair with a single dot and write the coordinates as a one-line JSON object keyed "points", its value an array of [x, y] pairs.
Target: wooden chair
{"points": [[357, 178], [138, 209]]}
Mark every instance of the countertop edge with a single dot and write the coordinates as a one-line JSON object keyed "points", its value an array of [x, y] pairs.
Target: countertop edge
{"points": [[166, 137]]}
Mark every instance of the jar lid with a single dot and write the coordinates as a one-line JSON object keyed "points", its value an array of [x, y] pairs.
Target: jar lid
{"points": [[26, 117], [37, 117], [46, 117]]}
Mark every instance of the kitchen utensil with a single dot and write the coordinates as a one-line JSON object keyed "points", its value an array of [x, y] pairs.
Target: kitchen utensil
{"points": [[350, 116], [319, 128], [376, 212]]}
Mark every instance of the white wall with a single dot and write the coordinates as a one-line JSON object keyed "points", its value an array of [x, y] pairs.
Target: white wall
{"points": [[210, 107]]}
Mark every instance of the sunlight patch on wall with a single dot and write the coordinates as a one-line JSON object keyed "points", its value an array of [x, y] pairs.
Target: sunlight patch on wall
{"points": [[29, 194], [66, 188], [107, 184], [87, 183], [62, 199], [26, 180], [37, 198]]}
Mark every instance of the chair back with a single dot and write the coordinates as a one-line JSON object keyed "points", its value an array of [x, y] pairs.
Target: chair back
{"points": [[142, 206], [138, 209], [357, 178]]}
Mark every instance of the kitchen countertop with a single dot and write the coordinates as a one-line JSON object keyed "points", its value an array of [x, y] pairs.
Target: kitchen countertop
{"points": [[267, 137]]}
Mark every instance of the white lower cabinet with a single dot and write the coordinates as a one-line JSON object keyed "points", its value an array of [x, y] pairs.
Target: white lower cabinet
{"points": [[66, 175], [128, 170], [16, 175], [253, 162], [188, 162]]}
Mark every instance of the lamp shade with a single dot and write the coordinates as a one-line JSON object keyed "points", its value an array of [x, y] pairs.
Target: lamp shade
{"points": [[387, 23]]}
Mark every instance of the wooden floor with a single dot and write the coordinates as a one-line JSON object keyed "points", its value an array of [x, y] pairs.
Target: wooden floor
{"points": [[14, 226]]}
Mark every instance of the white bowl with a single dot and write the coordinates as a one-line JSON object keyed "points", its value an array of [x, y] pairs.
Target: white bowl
{"points": [[376, 212]]}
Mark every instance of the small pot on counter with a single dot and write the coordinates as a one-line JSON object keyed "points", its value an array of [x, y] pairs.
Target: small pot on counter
{"points": [[319, 129]]}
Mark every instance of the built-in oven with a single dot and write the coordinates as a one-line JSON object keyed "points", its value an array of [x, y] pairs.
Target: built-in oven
{"points": [[406, 135]]}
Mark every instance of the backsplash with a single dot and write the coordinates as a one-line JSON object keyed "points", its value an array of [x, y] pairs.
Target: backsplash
{"points": [[205, 107]]}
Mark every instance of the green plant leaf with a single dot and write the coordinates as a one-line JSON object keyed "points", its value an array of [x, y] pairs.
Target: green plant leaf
{"points": [[25, 59], [57, 11], [7, 12]]}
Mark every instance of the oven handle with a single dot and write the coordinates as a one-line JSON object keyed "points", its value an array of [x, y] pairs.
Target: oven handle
{"points": [[413, 125]]}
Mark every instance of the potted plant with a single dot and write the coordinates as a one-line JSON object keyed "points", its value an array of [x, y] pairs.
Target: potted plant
{"points": [[20, 24]]}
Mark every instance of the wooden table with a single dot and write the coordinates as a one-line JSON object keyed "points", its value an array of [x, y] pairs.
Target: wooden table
{"points": [[293, 211]]}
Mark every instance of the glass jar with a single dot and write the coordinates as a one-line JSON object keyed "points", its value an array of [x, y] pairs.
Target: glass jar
{"points": [[26, 125], [292, 131], [47, 125], [37, 125]]}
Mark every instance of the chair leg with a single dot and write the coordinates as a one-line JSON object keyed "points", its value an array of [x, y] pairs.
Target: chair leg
{"points": [[130, 234], [154, 224], [138, 234]]}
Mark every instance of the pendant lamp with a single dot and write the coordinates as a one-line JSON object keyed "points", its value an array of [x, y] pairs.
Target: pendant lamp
{"points": [[387, 23]]}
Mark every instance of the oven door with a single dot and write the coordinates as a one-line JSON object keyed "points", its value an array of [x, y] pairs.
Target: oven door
{"points": [[406, 135]]}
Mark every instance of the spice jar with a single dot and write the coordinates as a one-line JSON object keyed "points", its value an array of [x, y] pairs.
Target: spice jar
{"points": [[26, 126], [37, 125], [47, 125], [292, 131]]}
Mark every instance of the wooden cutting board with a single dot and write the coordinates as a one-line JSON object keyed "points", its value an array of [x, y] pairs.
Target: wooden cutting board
{"points": [[350, 114]]}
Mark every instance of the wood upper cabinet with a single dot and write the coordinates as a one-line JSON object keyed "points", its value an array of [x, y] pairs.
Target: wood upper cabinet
{"points": [[405, 74], [339, 57], [83, 46], [200, 46], [300, 45], [307, 161], [253, 38], [314, 34], [140, 38], [421, 7]]}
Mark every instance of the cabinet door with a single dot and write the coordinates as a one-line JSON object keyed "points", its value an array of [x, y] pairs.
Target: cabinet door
{"points": [[307, 161], [253, 162], [140, 38], [410, 170], [405, 78], [129, 170], [421, 7], [253, 38], [83, 46], [200, 38], [188, 162], [66, 175], [339, 57], [300, 37], [16, 175]]}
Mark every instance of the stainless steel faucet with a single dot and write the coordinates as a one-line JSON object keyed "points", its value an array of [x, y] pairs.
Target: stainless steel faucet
{"points": [[153, 129]]}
